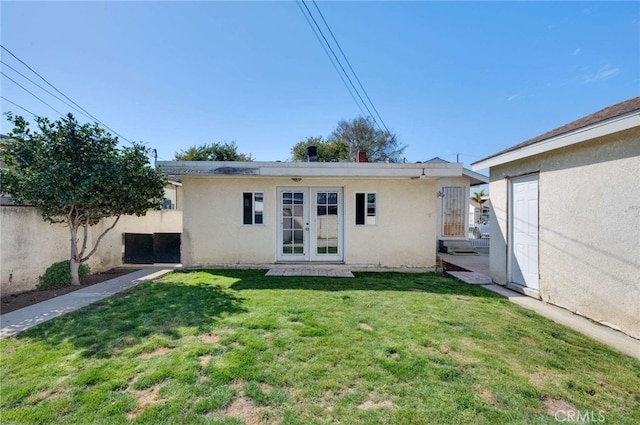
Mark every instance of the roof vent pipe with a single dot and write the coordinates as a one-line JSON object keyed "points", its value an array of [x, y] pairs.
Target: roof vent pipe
{"points": [[312, 153]]}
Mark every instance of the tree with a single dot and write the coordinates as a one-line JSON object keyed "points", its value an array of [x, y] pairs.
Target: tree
{"points": [[75, 174], [477, 197], [328, 150], [348, 139], [227, 151], [360, 135]]}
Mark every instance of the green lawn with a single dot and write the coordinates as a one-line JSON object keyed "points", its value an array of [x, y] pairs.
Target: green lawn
{"points": [[235, 347]]}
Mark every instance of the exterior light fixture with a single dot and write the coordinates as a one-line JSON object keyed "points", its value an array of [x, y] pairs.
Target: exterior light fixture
{"points": [[440, 194], [296, 179]]}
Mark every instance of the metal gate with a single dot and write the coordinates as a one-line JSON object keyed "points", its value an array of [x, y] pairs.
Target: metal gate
{"points": [[146, 248]]}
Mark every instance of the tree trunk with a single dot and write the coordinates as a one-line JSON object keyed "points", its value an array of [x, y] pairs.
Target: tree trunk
{"points": [[74, 260], [75, 275]]}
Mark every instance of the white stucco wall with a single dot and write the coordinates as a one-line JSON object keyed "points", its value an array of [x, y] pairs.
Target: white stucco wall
{"points": [[404, 235], [28, 245], [589, 227]]}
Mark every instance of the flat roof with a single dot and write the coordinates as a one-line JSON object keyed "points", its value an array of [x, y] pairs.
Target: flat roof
{"points": [[226, 169]]}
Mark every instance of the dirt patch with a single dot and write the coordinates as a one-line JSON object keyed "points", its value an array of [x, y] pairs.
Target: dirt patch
{"points": [[365, 326], [204, 360], [145, 399], [243, 409], [15, 302], [448, 267], [417, 290], [485, 394], [561, 410], [374, 402], [155, 353], [209, 338], [48, 395]]}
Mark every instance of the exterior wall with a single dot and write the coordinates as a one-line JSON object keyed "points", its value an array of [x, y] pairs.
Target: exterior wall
{"points": [[28, 244], [589, 227], [404, 234]]}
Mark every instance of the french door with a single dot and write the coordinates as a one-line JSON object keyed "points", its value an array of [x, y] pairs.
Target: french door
{"points": [[310, 224]]}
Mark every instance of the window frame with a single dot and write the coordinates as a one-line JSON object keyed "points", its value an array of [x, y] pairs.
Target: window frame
{"points": [[364, 216], [250, 213]]}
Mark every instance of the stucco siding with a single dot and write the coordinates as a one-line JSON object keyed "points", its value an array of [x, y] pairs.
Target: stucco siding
{"points": [[403, 236], [589, 227], [28, 244]]}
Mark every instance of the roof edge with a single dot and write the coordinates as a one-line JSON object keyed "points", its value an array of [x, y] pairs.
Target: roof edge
{"points": [[579, 135]]}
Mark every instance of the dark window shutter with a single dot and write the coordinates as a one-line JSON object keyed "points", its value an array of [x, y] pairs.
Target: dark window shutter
{"points": [[247, 208], [360, 208]]}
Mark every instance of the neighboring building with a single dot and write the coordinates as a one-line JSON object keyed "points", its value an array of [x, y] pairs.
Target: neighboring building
{"points": [[565, 225], [479, 217], [360, 214]]}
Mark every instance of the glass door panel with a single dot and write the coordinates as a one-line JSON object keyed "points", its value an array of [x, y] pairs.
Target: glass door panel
{"points": [[293, 213]]}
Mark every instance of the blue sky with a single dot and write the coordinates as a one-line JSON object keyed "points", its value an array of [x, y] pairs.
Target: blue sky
{"points": [[446, 77]]}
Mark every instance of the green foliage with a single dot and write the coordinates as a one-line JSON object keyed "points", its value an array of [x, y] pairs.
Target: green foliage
{"points": [[59, 275], [72, 171], [328, 150], [213, 152], [76, 174], [348, 139], [360, 135]]}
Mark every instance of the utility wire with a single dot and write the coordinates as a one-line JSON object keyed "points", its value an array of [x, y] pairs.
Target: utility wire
{"points": [[43, 89], [15, 104], [315, 32], [27, 90], [66, 97], [349, 65], [340, 63]]}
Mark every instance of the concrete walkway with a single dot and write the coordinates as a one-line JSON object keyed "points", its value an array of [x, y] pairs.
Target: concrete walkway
{"points": [[28, 317], [479, 270]]}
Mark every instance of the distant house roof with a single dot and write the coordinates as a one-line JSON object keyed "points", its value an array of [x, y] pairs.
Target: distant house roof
{"points": [[618, 117], [475, 178]]}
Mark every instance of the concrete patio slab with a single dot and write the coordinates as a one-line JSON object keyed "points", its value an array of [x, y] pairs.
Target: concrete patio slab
{"points": [[28, 317], [309, 271]]}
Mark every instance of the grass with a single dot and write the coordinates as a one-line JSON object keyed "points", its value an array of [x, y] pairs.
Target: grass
{"points": [[233, 347]]}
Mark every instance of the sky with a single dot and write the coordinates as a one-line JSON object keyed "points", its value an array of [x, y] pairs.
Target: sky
{"points": [[466, 78]]}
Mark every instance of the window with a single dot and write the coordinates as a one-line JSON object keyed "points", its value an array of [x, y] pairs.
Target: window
{"points": [[365, 208], [252, 207], [169, 202]]}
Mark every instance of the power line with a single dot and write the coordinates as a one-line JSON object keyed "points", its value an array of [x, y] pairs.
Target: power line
{"points": [[340, 63], [15, 104], [315, 32], [66, 97], [350, 67], [42, 88], [27, 90]]}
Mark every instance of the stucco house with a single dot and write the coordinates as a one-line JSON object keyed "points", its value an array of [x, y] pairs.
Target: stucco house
{"points": [[359, 214], [565, 226]]}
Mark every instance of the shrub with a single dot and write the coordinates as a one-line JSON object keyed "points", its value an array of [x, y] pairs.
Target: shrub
{"points": [[59, 275]]}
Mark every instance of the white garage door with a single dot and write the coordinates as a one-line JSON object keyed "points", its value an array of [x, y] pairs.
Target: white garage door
{"points": [[524, 222]]}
